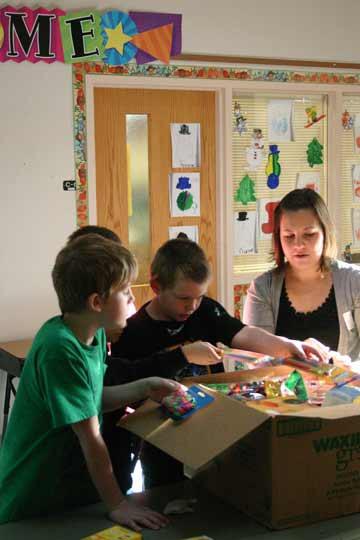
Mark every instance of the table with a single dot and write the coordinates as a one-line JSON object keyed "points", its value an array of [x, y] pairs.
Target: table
{"points": [[211, 517], [12, 355]]}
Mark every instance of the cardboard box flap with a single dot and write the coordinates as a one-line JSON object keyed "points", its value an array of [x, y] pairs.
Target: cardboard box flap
{"points": [[201, 437], [329, 413]]}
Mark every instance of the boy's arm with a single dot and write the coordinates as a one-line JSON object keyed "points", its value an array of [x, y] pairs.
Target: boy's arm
{"points": [[100, 469], [160, 364], [116, 397], [166, 363], [255, 339]]}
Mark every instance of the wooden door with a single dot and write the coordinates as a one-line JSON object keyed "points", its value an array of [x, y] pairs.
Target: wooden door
{"points": [[162, 108]]}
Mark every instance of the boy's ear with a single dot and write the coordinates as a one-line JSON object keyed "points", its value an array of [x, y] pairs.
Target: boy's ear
{"points": [[154, 284], [95, 302]]}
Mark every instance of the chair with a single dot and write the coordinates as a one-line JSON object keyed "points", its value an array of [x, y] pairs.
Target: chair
{"points": [[12, 357]]}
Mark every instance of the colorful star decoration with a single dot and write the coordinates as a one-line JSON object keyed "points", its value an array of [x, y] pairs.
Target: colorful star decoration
{"points": [[122, 41], [116, 38]]}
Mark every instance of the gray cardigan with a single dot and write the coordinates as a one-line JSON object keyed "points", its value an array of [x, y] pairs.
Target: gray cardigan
{"points": [[263, 297]]}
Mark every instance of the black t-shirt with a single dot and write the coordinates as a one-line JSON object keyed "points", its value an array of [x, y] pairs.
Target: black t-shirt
{"points": [[321, 324], [144, 342], [141, 351]]}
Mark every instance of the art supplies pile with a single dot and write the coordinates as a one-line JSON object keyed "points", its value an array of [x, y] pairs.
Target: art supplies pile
{"points": [[271, 443], [295, 389], [321, 385], [236, 360]]}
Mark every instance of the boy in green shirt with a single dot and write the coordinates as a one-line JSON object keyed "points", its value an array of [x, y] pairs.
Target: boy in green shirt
{"points": [[53, 455]]}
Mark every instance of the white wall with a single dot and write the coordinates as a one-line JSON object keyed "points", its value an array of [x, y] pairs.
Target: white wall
{"points": [[36, 215], [36, 146]]}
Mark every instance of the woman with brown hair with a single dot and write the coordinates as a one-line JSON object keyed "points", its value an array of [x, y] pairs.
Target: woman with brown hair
{"points": [[309, 293]]}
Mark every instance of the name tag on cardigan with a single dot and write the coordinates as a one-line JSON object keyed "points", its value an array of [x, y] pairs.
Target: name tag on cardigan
{"points": [[349, 320]]}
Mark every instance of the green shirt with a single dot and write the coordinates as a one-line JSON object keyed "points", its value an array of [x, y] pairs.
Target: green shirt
{"points": [[42, 467]]}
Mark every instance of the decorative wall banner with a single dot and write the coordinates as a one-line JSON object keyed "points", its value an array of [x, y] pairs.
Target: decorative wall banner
{"points": [[146, 22], [113, 37], [31, 35]]}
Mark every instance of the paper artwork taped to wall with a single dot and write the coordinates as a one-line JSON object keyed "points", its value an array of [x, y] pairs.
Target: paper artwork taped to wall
{"points": [[355, 221], [310, 180], [273, 167], [185, 231], [357, 133], [184, 194], [312, 116], [240, 119], [280, 118], [355, 174], [314, 152], [255, 152], [266, 209], [245, 233], [185, 144], [245, 193], [347, 120]]}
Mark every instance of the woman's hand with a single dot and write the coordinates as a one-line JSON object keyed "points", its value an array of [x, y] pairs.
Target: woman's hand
{"points": [[332, 357], [303, 350], [136, 517]]}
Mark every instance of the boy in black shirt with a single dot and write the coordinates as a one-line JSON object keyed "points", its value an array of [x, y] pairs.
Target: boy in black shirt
{"points": [[175, 335]]}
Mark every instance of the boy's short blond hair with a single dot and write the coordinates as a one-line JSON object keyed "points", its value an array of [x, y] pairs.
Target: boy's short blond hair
{"points": [[90, 264], [180, 258]]}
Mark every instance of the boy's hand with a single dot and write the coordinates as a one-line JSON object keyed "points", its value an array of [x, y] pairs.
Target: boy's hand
{"points": [[202, 353], [157, 388], [136, 517]]}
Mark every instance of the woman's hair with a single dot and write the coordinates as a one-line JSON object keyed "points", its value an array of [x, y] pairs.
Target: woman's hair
{"points": [[305, 199]]}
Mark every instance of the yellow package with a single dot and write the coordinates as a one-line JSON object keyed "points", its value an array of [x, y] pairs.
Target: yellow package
{"points": [[272, 388], [199, 538], [115, 533]]}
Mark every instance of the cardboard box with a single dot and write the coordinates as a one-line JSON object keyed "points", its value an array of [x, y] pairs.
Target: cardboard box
{"points": [[284, 469]]}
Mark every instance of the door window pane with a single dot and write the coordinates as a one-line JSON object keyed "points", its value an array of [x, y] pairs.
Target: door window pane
{"points": [[137, 143]]}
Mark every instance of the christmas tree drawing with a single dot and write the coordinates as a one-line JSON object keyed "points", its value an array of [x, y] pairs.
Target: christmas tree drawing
{"points": [[246, 191], [314, 153]]}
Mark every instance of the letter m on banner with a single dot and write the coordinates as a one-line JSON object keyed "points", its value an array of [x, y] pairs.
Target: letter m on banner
{"points": [[32, 35]]}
